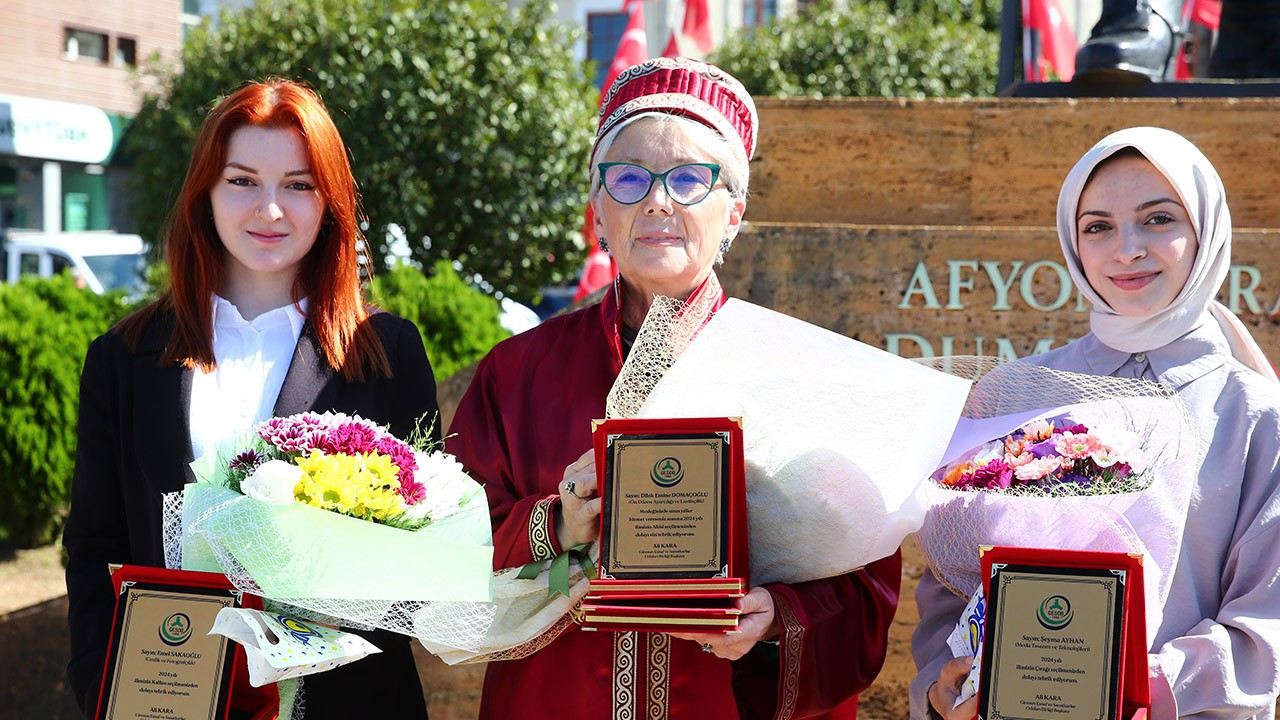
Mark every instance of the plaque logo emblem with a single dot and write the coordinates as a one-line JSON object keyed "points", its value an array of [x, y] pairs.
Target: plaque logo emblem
{"points": [[1055, 612], [175, 629], [299, 630], [667, 472]]}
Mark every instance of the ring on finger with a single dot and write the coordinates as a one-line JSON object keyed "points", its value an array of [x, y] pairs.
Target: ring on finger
{"points": [[706, 647], [570, 488]]}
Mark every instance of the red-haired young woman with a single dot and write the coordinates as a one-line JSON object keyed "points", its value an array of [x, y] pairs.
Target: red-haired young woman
{"points": [[264, 316]]}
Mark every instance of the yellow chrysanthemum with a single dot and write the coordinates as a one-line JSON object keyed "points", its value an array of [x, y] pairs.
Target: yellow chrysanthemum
{"points": [[362, 485]]}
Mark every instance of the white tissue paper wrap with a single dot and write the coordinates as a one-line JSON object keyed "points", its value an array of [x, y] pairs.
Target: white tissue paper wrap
{"points": [[280, 647], [837, 435]]}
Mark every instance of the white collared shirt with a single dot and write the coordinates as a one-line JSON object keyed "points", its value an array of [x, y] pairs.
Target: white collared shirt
{"points": [[252, 360]]}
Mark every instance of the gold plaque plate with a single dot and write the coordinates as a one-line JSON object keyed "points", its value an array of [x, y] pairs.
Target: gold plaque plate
{"points": [[166, 665], [665, 506], [1054, 639]]}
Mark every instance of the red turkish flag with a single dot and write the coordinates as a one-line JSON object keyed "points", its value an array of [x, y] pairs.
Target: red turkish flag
{"points": [[1057, 40], [673, 47], [1205, 14], [697, 24], [600, 269], [633, 49]]}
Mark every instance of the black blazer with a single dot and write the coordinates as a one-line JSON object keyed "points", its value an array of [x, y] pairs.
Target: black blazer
{"points": [[135, 443]]}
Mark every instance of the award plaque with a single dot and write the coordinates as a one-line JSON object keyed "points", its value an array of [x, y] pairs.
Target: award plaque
{"points": [[161, 661], [1058, 626], [673, 533]]}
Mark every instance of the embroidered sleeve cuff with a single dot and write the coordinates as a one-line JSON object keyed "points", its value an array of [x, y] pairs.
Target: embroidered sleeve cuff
{"points": [[791, 644], [542, 529]]}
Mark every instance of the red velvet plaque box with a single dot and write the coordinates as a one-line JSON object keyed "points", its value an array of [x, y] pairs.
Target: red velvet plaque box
{"points": [[673, 526], [160, 658], [1120, 578]]}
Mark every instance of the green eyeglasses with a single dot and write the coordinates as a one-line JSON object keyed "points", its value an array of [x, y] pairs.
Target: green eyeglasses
{"points": [[687, 184]]}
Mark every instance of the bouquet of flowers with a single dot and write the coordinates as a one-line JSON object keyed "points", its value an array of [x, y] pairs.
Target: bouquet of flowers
{"points": [[1052, 459], [344, 464], [333, 518]]}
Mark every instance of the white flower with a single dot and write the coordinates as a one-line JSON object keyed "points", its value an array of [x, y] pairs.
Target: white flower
{"points": [[448, 486], [1126, 447], [1104, 458], [989, 452], [272, 482]]}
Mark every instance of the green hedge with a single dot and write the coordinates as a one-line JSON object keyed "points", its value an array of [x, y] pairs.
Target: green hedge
{"points": [[46, 326], [912, 48], [468, 122], [458, 322]]}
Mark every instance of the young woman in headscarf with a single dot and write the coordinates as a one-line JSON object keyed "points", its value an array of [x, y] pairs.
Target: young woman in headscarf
{"points": [[1145, 230], [669, 183]]}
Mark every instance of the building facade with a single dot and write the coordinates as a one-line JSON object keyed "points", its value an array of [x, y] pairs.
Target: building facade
{"points": [[69, 84]]}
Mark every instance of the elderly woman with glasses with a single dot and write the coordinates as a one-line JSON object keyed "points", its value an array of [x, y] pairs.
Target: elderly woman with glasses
{"points": [[669, 175]]}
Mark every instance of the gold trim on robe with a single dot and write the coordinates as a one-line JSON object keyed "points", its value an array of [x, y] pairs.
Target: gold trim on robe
{"points": [[624, 675], [540, 529], [659, 675], [792, 646]]}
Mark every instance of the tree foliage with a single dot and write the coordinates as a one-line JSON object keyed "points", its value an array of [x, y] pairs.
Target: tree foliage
{"points": [[914, 49], [458, 323], [469, 123], [46, 326]]}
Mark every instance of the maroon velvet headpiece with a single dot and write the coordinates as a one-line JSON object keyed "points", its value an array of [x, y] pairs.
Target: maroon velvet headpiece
{"points": [[686, 87]]}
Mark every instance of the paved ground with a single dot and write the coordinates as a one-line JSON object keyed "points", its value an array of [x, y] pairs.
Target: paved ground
{"points": [[30, 577]]}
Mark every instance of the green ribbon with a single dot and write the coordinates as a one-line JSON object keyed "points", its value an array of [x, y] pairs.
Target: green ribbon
{"points": [[558, 578]]}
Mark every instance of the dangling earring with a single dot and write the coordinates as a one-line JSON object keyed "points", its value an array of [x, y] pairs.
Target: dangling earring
{"points": [[603, 245], [725, 244]]}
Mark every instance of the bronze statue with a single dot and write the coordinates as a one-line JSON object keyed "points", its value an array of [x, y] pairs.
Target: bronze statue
{"points": [[1139, 40]]}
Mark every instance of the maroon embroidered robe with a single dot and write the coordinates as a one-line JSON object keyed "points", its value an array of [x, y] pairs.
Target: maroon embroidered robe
{"points": [[525, 417]]}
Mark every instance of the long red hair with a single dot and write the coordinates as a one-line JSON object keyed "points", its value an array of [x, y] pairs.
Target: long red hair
{"points": [[328, 276]]}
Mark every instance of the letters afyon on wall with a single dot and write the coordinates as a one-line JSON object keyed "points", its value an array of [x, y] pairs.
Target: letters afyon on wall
{"points": [[996, 289]]}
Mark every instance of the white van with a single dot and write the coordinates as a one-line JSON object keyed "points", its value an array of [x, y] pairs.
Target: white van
{"points": [[103, 261]]}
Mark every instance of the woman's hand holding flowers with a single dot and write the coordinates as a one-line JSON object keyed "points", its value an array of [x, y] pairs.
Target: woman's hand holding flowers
{"points": [[578, 512]]}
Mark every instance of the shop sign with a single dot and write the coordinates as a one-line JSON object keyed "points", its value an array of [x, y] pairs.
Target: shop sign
{"points": [[53, 130]]}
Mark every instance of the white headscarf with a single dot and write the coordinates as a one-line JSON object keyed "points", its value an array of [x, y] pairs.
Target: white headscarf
{"points": [[1200, 189]]}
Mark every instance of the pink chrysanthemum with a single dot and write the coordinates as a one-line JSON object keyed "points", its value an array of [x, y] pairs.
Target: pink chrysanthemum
{"points": [[412, 491], [1038, 468], [354, 437], [1077, 446], [994, 475], [402, 455], [1037, 430], [1017, 461], [247, 461]]}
